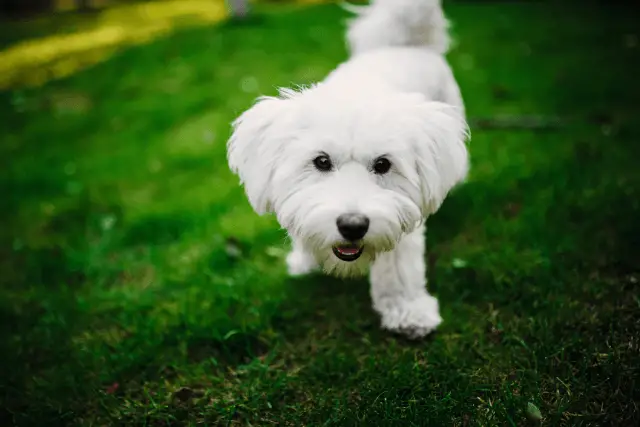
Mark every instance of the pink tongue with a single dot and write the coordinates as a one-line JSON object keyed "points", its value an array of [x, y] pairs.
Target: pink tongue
{"points": [[348, 251]]}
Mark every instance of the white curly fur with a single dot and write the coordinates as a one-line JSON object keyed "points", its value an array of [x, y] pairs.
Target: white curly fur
{"points": [[395, 97]]}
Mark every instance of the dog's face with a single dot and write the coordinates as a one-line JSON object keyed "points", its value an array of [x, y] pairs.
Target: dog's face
{"points": [[348, 176]]}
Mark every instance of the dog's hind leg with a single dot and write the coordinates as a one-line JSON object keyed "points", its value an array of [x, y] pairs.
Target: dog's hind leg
{"points": [[398, 289], [299, 261]]}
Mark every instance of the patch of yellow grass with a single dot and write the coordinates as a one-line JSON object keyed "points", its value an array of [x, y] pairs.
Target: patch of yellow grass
{"points": [[34, 62]]}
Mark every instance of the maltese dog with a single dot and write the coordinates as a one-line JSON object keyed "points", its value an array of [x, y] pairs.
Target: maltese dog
{"points": [[353, 166]]}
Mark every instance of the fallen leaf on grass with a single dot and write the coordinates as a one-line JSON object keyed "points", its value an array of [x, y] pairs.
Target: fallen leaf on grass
{"points": [[113, 388], [533, 413], [186, 393]]}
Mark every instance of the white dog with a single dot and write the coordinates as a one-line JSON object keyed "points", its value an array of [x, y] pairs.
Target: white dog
{"points": [[354, 165]]}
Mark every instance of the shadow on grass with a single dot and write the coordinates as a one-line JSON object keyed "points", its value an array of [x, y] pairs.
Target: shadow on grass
{"points": [[232, 351], [40, 333]]}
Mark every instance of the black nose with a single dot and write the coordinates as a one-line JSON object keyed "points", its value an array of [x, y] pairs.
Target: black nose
{"points": [[353, 226]]}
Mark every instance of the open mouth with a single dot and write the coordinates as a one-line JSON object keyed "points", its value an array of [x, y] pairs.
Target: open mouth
{"points": [[348, 252]]}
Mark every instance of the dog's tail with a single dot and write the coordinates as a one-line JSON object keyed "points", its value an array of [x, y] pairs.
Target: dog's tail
{"points": [[388, 23]]}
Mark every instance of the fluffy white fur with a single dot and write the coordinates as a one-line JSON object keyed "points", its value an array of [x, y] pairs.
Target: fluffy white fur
{"points": [[395, 97]]}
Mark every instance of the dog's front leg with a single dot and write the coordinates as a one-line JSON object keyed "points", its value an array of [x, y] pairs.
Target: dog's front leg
{"points": [[398, 288], [299, 261]]}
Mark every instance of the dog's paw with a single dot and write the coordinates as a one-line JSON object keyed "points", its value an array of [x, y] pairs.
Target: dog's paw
{"points": [[414, 318], [300, 263]]}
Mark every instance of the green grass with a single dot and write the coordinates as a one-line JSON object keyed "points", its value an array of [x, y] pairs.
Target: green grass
{"points": [[138, 287]]}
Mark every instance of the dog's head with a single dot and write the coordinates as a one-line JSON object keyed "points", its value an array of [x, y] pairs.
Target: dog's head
{"points": [[348, 176]]}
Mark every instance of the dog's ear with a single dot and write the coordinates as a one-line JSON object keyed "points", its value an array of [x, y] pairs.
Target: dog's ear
{"points": [[254, 148], [442, 159]]}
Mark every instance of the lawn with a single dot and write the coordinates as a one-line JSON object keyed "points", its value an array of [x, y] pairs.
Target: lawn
{"points": [[139, 288]]}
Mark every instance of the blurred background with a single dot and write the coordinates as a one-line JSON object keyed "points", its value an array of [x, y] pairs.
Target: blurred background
{"points": [[139, 288]]}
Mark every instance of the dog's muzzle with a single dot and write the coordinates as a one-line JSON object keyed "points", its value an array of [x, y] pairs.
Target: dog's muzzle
{"points": [[353, 227]]}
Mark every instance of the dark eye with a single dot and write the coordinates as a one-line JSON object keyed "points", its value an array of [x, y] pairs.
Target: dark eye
{"points": [[381, 166], [322, 163]]}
